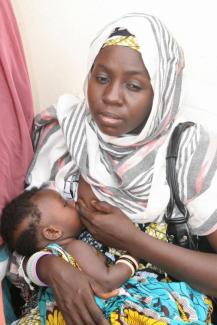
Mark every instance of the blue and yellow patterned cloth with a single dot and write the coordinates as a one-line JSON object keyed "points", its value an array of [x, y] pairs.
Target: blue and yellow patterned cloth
{"points": [[143, 299]]}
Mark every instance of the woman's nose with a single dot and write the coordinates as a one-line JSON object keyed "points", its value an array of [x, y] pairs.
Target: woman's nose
{"points": [[113, 94]]}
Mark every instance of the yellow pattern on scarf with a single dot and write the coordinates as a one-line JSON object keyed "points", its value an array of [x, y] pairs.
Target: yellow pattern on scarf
{"points": [[129, 41]]}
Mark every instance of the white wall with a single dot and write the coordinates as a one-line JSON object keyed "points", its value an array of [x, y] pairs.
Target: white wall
{"points": [[56, 35]]}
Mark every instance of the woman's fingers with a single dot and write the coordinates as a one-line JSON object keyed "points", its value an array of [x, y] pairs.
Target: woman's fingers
{"points": [[76, 318], [102, 207], [83, 310], [92, 219], [74, 298], [97, 314], [108, 224], [92, 314], [85, 214], [90, 214]]}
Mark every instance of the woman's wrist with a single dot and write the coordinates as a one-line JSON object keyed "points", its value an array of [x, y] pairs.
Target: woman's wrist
{"points": [[132, 242]]}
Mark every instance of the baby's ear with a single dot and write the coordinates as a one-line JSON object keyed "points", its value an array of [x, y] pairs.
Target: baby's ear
{"points": [[52, 232]]}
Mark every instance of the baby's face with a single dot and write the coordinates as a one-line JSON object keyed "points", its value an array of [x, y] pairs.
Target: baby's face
{"points": [[59, 212]]}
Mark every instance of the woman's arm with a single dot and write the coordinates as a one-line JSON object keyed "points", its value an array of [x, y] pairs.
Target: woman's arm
{"points": [[73, 291], [93, 263], [111, 227], [196, 268]]}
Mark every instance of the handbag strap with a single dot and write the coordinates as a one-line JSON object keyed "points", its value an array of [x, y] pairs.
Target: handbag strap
{"points": [[177, 228]]}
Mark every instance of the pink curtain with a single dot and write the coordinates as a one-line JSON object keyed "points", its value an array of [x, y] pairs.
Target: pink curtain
{"points": [[2, 319], [16, 108], [16, 112]]}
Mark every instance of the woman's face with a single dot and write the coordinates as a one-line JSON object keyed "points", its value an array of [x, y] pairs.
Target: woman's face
{"points": [[119, 91]]}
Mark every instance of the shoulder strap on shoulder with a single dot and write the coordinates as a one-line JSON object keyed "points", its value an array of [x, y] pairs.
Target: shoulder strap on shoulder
{"points": [[172, 154], [177, 229]]}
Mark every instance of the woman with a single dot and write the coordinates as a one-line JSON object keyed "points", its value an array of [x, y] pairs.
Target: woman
{"points": [[117, 138]]}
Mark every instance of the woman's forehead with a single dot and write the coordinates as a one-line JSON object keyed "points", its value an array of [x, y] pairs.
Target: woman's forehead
{"points": [[134, 40], [120, 57]]}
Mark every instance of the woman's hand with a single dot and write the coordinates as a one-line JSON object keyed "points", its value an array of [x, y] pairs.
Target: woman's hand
{"points": [[73, 291], [108, 224]]}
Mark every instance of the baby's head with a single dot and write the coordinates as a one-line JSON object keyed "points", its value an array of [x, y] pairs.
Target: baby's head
{"points": [[36, 218]]}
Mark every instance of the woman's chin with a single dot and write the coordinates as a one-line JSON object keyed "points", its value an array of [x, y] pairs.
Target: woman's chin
{"points": [[110, 130]]}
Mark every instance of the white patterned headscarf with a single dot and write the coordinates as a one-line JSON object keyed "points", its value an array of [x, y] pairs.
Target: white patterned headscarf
{"points": [[129, 171], [164, 61]]}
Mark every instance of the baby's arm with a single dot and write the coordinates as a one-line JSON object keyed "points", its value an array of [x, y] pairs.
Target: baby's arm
{"points": [[93, 263]]}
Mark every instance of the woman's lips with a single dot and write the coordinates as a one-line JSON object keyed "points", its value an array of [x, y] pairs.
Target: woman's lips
{"points": [[109, 119]]}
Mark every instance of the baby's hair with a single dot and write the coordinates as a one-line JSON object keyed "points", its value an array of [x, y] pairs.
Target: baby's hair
{"points": [[13, 214]]}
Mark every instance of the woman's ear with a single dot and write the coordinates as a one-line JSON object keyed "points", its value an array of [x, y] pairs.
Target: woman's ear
{"points": [[52, 232]]}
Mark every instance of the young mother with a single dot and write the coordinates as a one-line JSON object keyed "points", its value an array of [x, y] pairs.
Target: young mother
{"points": [[118, 138]]}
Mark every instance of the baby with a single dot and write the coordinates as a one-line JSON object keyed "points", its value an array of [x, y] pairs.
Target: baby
{"points": [[40, 217]]}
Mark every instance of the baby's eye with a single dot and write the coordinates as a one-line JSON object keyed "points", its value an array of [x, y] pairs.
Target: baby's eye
{"points": [[133, 86], [65, 203], [102, 79]]}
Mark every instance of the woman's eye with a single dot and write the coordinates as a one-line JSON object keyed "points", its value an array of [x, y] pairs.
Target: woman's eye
{"points": [[102, 79], [133, 86]]}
